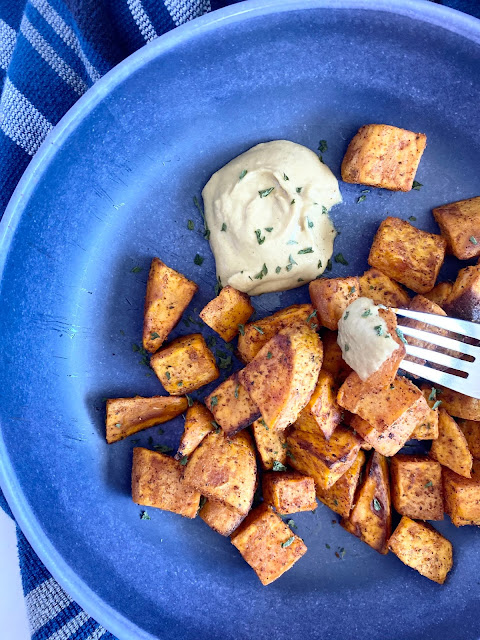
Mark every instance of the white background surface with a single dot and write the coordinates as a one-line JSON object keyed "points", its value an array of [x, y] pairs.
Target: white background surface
{"points": [[13, 615]]}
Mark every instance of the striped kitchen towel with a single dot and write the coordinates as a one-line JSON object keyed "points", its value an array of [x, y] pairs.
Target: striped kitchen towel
{"points": [[51, 52]]}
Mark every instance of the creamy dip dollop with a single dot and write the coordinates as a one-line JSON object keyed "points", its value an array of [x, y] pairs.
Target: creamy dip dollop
{"points": [[267, 212], [364, 338]]}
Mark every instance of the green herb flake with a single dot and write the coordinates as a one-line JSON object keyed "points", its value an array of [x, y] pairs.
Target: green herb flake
{"points": [[327, 546], [309, 223], [291, 523], [366, 313], [118, 425], [144, 515], [224, 362], [243, 174], [190, 225], [322, 146], [224, 227], [351, 290], [278, 269], [236, 391], [180, 383], [299, 189], [346, 348], [265, 192], [213, 401], [189, 400], [206, 233], [218, 287], [361, 198], [288, 542], [154, 335], [306, 250], [183, 460], [473, 240], [428, 484], [285, 177], [261, 273], [136, 269], [413, 218], [269, 355], [335, 502], [216, 426], [417, 185], [278, 466], [340, 259], [437, 404], [260, 239], [312, 315], [292, 242], [293, 201], [376, 504], [167, 375], [300, 280], [198, 260], [347, 313], [257, 328], [433, 394], [162, 448], [399, 333], [324, 210], [269, 229], [241, 329], [329, 265], [319, 265]]}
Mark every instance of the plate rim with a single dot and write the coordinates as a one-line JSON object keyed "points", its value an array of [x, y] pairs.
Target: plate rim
{"points": [[421, 10]]}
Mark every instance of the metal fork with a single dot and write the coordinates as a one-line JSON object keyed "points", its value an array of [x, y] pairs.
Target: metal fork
{"points": [[470, 385]]}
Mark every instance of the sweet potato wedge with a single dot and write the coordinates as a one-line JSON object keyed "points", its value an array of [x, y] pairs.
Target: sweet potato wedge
{"points": [[341, 496], [459, 223], [427, 426], [222, 519], [383, 290], [323, 404], [462, 496], [440, 293], [225, 313], [198, 424], [471, 431], [271, 444], [459, 405], [451, 448], [289, 492], [464, 300], [333, 361], [331, 296], [232, 407], [130, 415], [416, 486]]}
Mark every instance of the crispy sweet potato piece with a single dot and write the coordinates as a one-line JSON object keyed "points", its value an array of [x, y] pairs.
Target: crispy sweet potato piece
{"points": [[323, 404], [331, 296], [427, 426], [198, 424], [231, 406], [281, 378], [420, 547], [227, 311], [224, 470], [417, 487], [271, 444], [129, 415], [289, 492], [224, 520], [451, 448], [464, 300], [459, 222], [325, 460], [383, 290], [462, 496], [424, 305], [407, 254], [459, 405], [333, 361], [440, 293], [157, 482], [168, 295], [340, 497], [471, 431], [256, 334], [185, 364], [371, 517], [267, 544], [380, 155]]}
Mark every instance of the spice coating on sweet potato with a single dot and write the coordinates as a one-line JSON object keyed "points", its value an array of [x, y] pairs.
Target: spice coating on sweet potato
{"points": [[462, 496], [451, 448], [459, 222], [198, 424], [232, 407], [227, 311], [416, 486], [289, 492], [331, 296]]}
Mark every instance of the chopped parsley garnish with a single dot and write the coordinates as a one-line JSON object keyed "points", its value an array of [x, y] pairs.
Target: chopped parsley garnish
{"points": [[218, 287], [154, 335], [260, 239], [300, 280], [347, 313], [224, 227], [285, 177], [269, 229], [309, 222], [312, 315], [167, 375], [265, 192], [335, 502], [412, 218], [473, 240], [291, 523], [278, 269], [198, 260], [278, 466], [180, 383], [361, 198], [306, 250], [144, 515], [366, 313], [376, 504], [269, 355], [190, 225], [293, 201], [236, 391], [392, 386], [162, 448], [340, 259], [429, 484], [292, 242], [118, 425], [263, 423], [189, 400], [243, 174], [365, 191], [241, 329], [288, 542], [329, 265], [417, 185], [206, 233], [299, 189], [324, 210], [257, 328], [319, 265], [437, 404], [216, 426], [433, 394], [261, 273], [213, 401], [322, 146], [400, 335], [346, 348], [224, 362], [136, 269], [327, 545], [183, 460]]}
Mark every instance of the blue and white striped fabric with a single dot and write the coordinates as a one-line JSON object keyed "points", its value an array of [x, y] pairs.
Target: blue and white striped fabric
{"points": [[51, 52]]}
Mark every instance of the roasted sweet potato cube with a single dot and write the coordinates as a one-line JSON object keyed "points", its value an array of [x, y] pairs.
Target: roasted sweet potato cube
{"points": [[224, 520], [168, 295], [471, 431], [380, 155], [459, 222], [227, 311], [258, 333], [323, 404], [129, 415], [157, 481], [417, 487], [440, 293], [383, 290], [462, 496], [198, 424], [333, 361], [421, 547], [451, 448], [423, 305], [224, 470], [407, 254], [331, 296], [231, 406], [464, 300], [185, 364], [325, 460], [371, 517], [271, 444], [387, 418], [267, 544], [282, 376], [459, 405], [427, 426], [289, 492], [341, 496]]}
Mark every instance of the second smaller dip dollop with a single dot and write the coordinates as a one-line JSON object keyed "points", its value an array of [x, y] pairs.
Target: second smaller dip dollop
{"points": [[267, 212]]}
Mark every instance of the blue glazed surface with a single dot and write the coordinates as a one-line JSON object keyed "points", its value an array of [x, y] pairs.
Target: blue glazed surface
{"points": [[112, 187]]}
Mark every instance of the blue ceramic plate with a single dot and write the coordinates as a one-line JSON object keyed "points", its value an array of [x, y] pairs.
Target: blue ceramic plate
{"points": [[112, 187]]}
